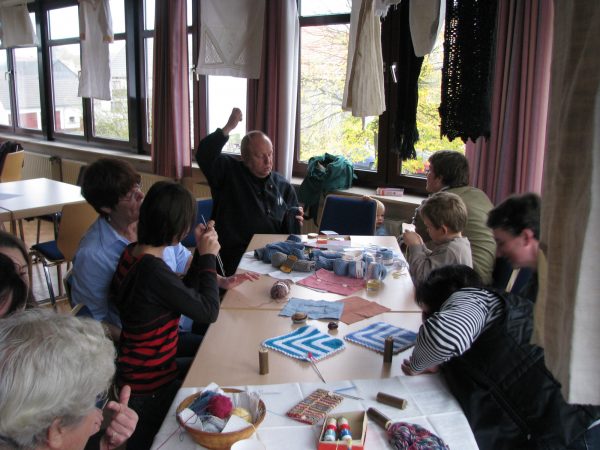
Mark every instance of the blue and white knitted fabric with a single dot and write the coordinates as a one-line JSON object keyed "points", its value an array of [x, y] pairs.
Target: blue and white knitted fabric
{"points": [[304, 340], [373, 337], [314, 309]]}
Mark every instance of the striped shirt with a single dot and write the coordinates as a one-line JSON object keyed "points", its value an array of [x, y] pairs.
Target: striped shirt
{"points": [[451, 331], [150, 298]]}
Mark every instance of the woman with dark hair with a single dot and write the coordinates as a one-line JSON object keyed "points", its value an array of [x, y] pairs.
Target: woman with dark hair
{"points": [[14, 248], [150, 299], [480, 341], [13, 290]]}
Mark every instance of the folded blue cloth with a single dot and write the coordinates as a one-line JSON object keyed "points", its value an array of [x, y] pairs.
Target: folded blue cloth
{"points": [[315, 309], [288, 247]]}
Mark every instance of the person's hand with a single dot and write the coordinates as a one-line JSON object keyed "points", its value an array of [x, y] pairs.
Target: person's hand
{"points": [[406, 368], [235, 118], [237, 279], [411, 238], [207, 240], [123, 423], [300, 216], [408, 371]]}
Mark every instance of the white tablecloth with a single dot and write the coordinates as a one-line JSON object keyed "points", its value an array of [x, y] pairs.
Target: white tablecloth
{"points": [[430, 405]]}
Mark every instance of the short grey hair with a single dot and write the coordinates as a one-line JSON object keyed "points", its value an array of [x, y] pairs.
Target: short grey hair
{"points": [[52, 366]]}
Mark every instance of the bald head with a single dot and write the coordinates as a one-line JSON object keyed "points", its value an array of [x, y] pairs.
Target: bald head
{"points": [[257, 153]]}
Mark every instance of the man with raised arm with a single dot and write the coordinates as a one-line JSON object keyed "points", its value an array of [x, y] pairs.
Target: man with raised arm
{"points": [[248, 196]]}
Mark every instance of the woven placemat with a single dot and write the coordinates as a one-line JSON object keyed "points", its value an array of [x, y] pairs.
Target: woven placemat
{"points": [[373, 337], [304, 340]]}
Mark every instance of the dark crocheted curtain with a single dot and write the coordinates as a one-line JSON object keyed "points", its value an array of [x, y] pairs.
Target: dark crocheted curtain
{"points": [[469, 43], [403, 97]]}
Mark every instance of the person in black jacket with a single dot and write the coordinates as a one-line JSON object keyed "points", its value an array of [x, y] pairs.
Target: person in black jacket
{"points": [[479, 339], [248, 196]]}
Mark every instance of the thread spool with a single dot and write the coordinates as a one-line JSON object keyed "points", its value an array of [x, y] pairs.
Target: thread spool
{"points": [[344, 432], [391, 400], [330, 430], [388, 349], [263, 361]]}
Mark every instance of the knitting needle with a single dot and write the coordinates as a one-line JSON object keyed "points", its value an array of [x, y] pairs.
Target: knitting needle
{"points": [[218, 256], [314, 366]]}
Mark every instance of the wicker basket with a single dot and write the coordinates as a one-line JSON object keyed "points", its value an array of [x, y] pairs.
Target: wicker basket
{"points": [[220, 441]]}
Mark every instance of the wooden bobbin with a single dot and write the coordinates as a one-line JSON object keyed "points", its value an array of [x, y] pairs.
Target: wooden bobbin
{"points": [[391, 400]]}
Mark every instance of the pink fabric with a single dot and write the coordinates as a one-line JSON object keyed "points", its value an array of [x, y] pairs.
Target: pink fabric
{"points": [[512, 160], [330, 282], [171, 155], [274, 94]]}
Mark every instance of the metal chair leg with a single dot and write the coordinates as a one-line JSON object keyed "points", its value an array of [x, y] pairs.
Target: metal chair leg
{"points": [[49, 283]]}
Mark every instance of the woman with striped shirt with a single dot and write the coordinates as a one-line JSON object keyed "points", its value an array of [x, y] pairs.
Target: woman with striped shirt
{"points": [[480, 341], [150, 298]]}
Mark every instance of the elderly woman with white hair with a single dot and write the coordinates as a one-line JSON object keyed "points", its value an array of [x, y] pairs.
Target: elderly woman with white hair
{"points": [[55, 371]]}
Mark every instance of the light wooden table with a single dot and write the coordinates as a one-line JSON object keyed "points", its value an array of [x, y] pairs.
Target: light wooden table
{"points": [[395, 293], [35, 197], [229, 352]]}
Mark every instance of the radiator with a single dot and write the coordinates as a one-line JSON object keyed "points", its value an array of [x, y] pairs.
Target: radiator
{"points": [[40, 166]]}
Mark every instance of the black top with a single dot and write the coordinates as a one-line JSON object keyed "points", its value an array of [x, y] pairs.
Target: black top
{"points": [[243, 204]]}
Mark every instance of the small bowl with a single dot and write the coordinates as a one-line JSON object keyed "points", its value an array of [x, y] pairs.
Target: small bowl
{"points": [[220, 441]]}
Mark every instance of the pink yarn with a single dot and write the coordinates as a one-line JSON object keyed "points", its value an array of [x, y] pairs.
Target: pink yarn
{"points": [[220, 406]]}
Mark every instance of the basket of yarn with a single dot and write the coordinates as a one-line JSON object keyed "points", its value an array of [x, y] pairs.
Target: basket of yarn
{"points": [[220, 407]]}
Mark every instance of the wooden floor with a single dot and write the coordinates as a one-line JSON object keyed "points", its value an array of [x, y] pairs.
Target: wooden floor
{"points": [[39, 285]]}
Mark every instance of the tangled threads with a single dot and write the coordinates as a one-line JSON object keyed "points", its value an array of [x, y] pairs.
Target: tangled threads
{"points": [[408, 436]]}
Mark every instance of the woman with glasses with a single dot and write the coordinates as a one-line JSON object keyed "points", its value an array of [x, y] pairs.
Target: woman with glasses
{"points": [[56, 408]]}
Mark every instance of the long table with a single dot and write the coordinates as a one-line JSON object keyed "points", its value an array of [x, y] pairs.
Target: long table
{"points": [[35, 197], [228, 356], [395, 293]]}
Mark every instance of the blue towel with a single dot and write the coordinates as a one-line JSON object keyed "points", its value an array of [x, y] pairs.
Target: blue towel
{"points": [[315, 309]]}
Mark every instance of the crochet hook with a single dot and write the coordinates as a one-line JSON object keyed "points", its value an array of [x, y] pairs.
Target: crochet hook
{"points": [[311, 359], [218, 256]]}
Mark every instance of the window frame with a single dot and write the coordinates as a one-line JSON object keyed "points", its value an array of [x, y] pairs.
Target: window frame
{"points": [[389, 164]]}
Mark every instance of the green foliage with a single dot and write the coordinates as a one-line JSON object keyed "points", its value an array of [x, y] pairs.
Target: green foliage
{"points": [[112, 122]]}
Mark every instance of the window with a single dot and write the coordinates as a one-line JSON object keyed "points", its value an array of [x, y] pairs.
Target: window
{"points": [[324, 127]]}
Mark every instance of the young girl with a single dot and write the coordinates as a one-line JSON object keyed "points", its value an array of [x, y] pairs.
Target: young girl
{"points": [[150, 299]]}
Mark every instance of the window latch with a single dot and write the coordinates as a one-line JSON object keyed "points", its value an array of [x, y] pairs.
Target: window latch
{"points": [[393, 68], [195, 73], [7, 74]]}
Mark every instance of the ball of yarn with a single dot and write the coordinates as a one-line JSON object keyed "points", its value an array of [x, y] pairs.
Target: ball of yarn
{"points": [[243, 413], [280, 289], [220, 406], [404, 435]]}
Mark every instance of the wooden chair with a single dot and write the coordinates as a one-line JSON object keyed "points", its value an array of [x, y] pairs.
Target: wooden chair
{"points": [[76, 219], [349, 215], [12, 170]]}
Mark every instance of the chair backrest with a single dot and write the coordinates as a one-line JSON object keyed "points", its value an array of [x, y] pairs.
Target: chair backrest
{"points": [[13, 166], [349, 215], [76, 219], [203, 209]]}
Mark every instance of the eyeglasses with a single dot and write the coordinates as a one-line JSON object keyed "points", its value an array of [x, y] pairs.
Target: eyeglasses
{"points": [[101, 400], [133, 193]]}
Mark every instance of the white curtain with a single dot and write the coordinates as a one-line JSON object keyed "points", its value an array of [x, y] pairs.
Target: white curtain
{"points": [[568, 315], [231, 34], [288, 98]]}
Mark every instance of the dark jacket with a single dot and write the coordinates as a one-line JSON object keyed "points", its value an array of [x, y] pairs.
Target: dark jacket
{"points": [[244, 204], [510, 398]]}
